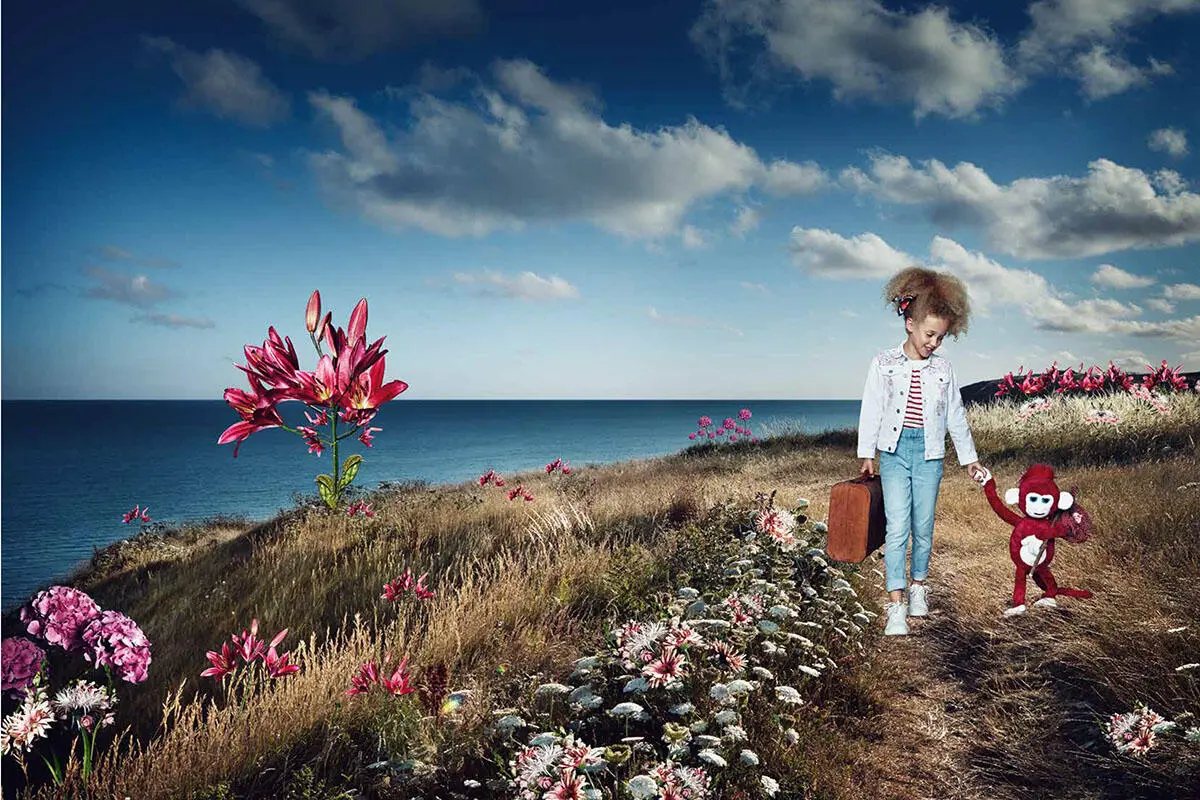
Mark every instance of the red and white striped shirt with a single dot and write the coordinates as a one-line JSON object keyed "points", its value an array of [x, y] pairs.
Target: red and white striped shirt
{"points": [[913, 416]]}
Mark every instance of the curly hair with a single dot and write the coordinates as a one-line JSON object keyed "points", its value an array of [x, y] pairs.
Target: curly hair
{"points": [[929, 292]]}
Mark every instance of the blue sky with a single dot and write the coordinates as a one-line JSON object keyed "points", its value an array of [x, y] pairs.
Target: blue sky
{"points": [[617, 200]]}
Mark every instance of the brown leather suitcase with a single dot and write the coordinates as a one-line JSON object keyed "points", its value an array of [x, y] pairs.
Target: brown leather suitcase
{"points": [[856, 521]]}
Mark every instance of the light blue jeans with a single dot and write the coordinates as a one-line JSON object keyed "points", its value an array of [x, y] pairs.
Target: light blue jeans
{"points": [[910, 489]]}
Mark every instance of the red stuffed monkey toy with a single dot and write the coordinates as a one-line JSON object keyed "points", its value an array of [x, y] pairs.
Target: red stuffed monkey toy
{"points": [[1031, 545]]}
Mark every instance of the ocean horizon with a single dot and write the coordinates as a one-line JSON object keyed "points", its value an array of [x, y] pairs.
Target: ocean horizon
{"points": [[71, 468]]}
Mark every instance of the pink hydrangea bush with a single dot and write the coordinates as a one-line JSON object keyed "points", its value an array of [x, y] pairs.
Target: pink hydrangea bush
{"points": [[675, 704], [59, 615], [22, 660], [115, 641]]}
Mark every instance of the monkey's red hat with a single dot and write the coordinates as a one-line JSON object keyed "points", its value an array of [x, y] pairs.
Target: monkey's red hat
{"points": [[1040, 479]]}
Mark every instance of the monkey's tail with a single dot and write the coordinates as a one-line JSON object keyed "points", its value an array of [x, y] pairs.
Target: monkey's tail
{"points": [[1082, 594]]}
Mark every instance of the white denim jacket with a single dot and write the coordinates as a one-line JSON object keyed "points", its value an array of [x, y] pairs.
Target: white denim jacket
{"points": [[885, 397]]}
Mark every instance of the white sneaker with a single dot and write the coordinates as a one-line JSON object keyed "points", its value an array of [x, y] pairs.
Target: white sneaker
{"points": [[918, 600], [1015, 610], [897, 622], [1046, 602]]}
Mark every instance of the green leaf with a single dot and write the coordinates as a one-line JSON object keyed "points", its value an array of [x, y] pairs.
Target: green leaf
{"points": [[349, 470], [326, 490]]}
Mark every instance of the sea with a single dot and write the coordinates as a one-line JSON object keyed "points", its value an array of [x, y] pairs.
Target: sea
{"points": [[72, 468]]}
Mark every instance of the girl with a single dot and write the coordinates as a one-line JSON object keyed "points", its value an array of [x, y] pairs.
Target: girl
{"points": [[911, 399]]}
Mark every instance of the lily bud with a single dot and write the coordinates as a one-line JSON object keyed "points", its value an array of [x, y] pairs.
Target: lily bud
{"points": [[357, 326], [324, 326], [313, 314]]}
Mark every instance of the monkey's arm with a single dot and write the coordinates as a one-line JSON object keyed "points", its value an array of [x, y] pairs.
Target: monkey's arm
{"points": [[1004, 512]]}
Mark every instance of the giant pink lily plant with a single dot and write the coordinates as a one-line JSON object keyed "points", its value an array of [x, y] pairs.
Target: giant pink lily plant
{"points": [[347, 386]]}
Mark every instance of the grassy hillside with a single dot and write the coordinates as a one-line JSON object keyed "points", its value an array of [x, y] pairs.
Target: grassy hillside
{"points": [[525, 589]]}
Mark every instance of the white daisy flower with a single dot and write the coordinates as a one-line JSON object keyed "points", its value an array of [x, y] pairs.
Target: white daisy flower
{"points": [[791, 736], [770, 785], [553, 688], [637, 685], [739, 686], [688, 593], [642, 786], [788, 694], [625, 709], [719, 692], [749, 758], [766, 626], [704, 740], [726, 717], [735, 733], [763, 673], [712, 757], [807, 670], [510, 721], [683, 709]]}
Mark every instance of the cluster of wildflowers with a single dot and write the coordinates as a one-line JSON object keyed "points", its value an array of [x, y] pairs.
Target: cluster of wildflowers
{"points": [[729, 430], [490, 477], [558, 465], [1155, 400], [1135, 732], [1093, 380], [348, 386], [1101, 416], [396, 589], [556, 768], [20, 662], [360, 506], [237, 658], [136, 513], [115, 642], [521, 492], [369, 676], [1034, 407], [70, 619], [667, 706]]}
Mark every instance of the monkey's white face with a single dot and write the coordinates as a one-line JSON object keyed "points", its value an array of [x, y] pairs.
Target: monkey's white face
{"points": [[1039, 506]]}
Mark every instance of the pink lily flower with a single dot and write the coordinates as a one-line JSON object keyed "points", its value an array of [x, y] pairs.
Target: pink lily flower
{"points": [[423, 592], [277, 665], [248, 645], [398, 684], [367, 436], [145, 516], [222, 662], [130, 516], [368, 676]]}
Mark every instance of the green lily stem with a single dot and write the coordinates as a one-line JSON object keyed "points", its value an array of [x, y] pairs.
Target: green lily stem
{"points": [[337, 490]]}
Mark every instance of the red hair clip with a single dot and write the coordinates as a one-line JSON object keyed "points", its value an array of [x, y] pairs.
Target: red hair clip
{"points": [[902, 303]]}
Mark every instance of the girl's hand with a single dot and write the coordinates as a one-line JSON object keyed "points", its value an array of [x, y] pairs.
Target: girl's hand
{"points": [[977, 472], [867, 468]]}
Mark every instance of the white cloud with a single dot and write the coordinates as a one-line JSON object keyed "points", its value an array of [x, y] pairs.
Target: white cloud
{"points": [[790, 178], [1172, 141], [120, 287], [174, 321], [747, 220], [826, 254], [691, 322], [1063, 25], [350, 30], [991, 285], [1130, 360], [1191, 361], [925, 58], [1117, 278], [1102, 73], [525, 286], [1182, 291], [225, 84], [694, 238], [754, 287], [1111, 208], [1161, 305], [532, 150]]}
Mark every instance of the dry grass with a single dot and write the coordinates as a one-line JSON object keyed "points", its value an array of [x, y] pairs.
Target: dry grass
{"points": [[1016, 705], [1061, 437]]}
